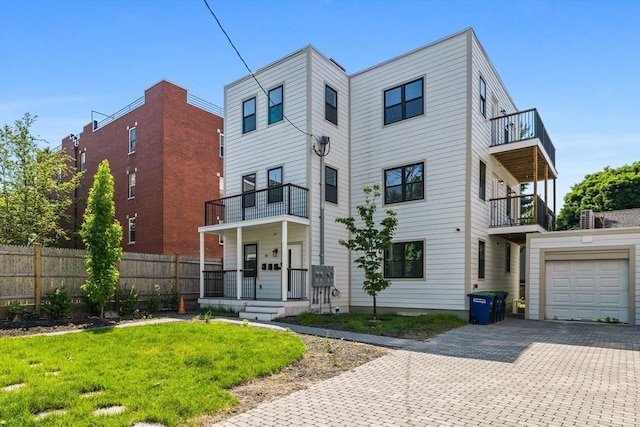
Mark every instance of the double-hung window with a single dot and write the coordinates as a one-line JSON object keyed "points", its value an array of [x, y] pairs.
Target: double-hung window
{"points": [[249, 115], [404, 260], [222, 145], [404, 102], [482, 181], [83, 161], [330, 184], [507, 257], [331, 105], [483, 97], [403, 184], [132, 230], [481, 255], [249, 190], [132, 185], [275, 185], [275, 105], [132, 140]]}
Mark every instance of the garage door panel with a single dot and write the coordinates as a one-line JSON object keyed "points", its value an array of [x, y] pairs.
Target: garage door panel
{"points": [[587, 290]]}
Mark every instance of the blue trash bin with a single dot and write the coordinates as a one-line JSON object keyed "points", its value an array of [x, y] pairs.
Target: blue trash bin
{"points": [[481, 307], [502, 304]]}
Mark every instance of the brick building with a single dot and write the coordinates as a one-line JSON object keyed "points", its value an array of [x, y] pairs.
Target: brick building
{"points": [[165, 152]]}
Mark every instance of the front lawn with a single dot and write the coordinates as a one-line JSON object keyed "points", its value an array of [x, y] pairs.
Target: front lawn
{"points": [[393, 325], [166, 373]]}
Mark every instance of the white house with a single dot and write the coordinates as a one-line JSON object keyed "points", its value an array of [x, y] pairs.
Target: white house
{"points": [[434, 127]]}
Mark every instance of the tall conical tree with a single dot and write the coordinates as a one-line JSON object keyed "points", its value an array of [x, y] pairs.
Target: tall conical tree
{"points": [[102, 235]]}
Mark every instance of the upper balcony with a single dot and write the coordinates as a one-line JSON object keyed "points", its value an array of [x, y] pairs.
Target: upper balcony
{"points": [[520, 142], [287, 199]]}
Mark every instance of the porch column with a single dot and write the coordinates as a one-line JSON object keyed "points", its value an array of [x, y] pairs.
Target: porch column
{"points": [[239, 262], [285, 260], [535, 185], [201, 265], [546, 197], [554, 204]]}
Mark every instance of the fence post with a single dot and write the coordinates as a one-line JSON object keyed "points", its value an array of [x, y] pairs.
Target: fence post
{"points": [[177, 269], [37, 267]]}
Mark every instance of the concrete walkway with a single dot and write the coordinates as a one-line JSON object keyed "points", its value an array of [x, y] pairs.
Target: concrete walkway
{"points": [[512, 373]]}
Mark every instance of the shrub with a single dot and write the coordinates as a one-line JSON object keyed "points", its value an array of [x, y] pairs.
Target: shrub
{"points": [[153, 301], [171, 299], [57, 303], [128, 300]]}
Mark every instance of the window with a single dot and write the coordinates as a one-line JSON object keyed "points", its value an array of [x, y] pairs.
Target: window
{"points": [[483, 97], [507, 258], [481, 253], [330, 184], [509, 202], [404, 183], [132, 185], [275, 180], [331, 105], [248, 190], [404, 260], [222, 145], [250, 260], [83, 161], [132, 140], [482, 186], [275, 105], [249, 115], [403, 102], [132, 230]]}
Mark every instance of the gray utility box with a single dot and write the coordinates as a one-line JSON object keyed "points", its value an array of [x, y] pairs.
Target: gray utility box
{"points": [[322, 276]]}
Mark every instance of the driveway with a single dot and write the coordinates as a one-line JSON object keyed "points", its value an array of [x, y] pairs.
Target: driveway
{"points": [[512, 373]]}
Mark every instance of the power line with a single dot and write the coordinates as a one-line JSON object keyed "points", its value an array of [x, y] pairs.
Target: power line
{"points": [[251, 72]]}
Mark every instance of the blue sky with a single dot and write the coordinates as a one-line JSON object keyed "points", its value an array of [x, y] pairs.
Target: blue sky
{"points": [[577, 62]]}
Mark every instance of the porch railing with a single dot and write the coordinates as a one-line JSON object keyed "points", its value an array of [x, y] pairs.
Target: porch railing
{"points": [[521, 126], [287, 199], [511, 211], [223, 284], [297, 285]]}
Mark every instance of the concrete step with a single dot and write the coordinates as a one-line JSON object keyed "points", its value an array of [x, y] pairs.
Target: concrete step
{"points": [[261, 309], [251, 315]]}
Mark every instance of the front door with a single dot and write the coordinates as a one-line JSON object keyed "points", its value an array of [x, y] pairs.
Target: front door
{"points": [[295, 273]]}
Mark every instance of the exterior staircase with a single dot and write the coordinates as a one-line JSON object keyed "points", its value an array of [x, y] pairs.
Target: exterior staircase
{"points": [[262, 310]]}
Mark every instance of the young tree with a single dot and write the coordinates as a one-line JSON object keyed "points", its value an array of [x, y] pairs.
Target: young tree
{"points": [[369, 242], [101, 234], [607, 190], [36, 187]]}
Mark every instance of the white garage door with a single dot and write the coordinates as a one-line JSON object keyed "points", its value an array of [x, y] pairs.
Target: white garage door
{"points": [[587, 290]]}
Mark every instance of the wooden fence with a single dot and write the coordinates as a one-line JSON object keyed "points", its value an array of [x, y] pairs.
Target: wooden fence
{"points": [[27, 273]]}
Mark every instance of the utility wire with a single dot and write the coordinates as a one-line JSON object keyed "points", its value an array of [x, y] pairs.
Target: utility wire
{"points": [[251, 72]]}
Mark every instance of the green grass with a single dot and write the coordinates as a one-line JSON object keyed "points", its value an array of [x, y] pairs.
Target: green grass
{"points": [[166, 373], [393, 325]]}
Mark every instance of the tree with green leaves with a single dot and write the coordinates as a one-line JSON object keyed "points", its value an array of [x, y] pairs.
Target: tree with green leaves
{"points": [[370, 242], [101, 233], [607, 190], [36, 187]]}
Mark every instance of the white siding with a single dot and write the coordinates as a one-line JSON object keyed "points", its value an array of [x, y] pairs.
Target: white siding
{"points": [[437, 138], [575, 241]]}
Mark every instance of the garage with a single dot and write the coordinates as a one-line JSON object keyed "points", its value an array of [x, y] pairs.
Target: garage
{"points": [[587, 290]]}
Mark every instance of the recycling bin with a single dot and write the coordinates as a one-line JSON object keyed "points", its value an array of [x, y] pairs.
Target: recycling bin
{"points": [[481, 307], [501, 305]]}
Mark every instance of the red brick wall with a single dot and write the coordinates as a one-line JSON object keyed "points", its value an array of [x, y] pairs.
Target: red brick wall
{"points": [[176, 164]]}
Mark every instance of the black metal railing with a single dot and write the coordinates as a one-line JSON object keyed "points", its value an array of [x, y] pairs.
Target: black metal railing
{"points": [[287, 199], [511, 211], [297, 284], [521, 126], [223, 284]]}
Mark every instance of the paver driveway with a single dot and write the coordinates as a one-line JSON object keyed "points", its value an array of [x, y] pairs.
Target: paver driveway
{"points": [[516, 372]]}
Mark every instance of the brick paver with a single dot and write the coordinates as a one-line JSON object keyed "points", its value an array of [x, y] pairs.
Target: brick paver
{"points": [[515, 372]]}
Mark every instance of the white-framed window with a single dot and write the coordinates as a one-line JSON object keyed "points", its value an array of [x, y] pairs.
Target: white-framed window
{"points": [[83, 161], [132, 185], [483, 97], [132, 230], [276, 105], [249, 115], [222, 145], [404, 101], [132, 140], [331, 104]]}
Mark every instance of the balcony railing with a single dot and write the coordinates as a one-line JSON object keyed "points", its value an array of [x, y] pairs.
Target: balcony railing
{"points": [[288, 199], [223, 284], [518, 210], [520, 127]]}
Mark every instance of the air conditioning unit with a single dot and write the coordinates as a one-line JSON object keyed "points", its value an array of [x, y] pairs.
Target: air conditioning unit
{"points": [[586, 219]]}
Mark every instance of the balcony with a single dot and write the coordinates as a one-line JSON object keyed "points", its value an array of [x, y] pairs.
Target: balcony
{"points": [[515, 216], [522, 145], [288, 199]]}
